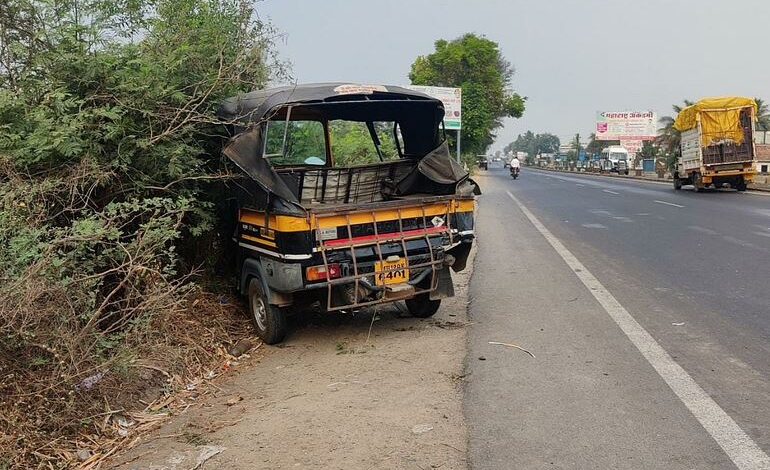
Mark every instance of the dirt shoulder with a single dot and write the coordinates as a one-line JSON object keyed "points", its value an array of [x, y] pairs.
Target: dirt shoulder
{"points": [[327, 398]]}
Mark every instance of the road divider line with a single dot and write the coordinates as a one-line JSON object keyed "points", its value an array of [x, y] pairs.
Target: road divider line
{"points": [[608, 191], [738, 446], [668, 203]]}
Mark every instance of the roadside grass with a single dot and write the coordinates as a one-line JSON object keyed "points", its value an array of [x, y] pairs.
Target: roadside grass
{"points": [[62, 409]]}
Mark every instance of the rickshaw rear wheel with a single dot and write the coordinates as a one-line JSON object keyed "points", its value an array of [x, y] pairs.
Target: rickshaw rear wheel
{"points": [[269, 320], [421, 306]]}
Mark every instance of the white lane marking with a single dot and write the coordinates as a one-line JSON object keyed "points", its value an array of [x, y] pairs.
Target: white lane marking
{"points": [[593, 226], [626, 179], [738, 446], [737, 241], [581, 185], [668, 203], [703, 229], [608, 191], [601, 212]]}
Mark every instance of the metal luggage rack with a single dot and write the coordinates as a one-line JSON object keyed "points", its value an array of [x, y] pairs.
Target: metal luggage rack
{"points": [[358, 278]]}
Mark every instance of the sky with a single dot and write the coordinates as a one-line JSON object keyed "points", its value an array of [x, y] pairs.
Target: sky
{"points": [[572, 58]]}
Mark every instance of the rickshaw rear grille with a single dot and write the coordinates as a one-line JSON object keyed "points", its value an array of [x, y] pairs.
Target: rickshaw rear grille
{"points": [[400, 231]]}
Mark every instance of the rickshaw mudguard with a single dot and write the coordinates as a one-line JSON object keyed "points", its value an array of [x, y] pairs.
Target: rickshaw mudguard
{"points": [[460, 254], [444, 287], [252, 268]]}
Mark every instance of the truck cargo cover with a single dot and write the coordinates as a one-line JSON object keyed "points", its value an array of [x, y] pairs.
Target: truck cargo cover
{"points": [[719, 118]]}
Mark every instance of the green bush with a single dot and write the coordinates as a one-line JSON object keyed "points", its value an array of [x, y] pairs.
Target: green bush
{"points": [[109, 155]]}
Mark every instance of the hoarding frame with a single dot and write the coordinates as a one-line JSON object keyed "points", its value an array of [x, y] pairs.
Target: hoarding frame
{"points": [[626, 125], [452, 98]]}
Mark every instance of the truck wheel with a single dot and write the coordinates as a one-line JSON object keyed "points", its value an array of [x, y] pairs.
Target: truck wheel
{"points": [[269, 320], [421, 306], [677, 184], [741, 186]]}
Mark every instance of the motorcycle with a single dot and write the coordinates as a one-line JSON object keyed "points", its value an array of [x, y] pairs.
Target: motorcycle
{"points": [[514, 172]]}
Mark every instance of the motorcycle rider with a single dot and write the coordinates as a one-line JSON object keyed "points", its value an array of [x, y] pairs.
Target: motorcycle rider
{"points": [[515, 164]]}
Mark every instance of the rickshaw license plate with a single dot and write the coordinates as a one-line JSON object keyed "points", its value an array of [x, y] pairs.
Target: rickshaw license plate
{"points": [[391, 272]]}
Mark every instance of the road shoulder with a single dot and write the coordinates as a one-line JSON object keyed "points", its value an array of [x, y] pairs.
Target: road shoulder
{"points": [[328, 398], [587, 399]]}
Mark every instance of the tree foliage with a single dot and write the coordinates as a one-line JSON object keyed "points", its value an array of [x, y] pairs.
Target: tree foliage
{"points": [[595, 147], [763, 115], [476, 65], [353, 145], [669, 139], [574, 153], [108, 150], [534, 144]]}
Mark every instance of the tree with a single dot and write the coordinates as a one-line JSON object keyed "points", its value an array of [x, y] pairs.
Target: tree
{"points": [[109, 155], [595, 147], [546, 143], [763, 115], [523, 143], [476, 65], [353, 145], [574, 154], [669, 138], [534, 144], [649, 150]]}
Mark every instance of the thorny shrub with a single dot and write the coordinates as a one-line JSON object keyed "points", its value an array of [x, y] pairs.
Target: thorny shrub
{"points": [[109, 155]]}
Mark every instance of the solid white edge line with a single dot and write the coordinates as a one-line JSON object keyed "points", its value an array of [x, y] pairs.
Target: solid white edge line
{"points": [[536, 171], [738, 446], [668, 203]]}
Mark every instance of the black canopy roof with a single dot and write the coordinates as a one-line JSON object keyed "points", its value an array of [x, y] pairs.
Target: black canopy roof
{"points": [[418, 117], [258, 105]]}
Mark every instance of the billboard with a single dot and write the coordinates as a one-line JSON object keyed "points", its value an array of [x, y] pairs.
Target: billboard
{"points": [[452, 99], [632, 145], [626, 125]]}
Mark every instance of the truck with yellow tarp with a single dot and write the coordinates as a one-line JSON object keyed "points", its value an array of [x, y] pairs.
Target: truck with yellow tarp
{"points": [[324, 224], [717, 144]]}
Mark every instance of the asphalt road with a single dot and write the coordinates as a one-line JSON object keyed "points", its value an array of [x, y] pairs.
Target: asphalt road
{"points": [[691, 271]]}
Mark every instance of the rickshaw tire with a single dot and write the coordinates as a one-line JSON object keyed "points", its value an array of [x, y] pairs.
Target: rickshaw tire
{"points": [[274, 324], [421, 306]]}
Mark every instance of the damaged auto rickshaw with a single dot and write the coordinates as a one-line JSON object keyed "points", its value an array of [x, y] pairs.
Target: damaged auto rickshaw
{"points": [[314, 229]]}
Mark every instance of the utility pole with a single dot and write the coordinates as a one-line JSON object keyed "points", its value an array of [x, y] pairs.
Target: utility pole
{"points": [[577, 147], [458, 146]]}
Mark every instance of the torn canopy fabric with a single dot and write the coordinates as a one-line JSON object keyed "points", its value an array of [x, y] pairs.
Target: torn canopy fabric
{"points": [[242, 151], [720, 119], [438, 174]]}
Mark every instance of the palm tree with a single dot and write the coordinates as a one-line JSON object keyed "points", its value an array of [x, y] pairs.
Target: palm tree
{"points": [[596, 146], [668, 137], [763, 115]]}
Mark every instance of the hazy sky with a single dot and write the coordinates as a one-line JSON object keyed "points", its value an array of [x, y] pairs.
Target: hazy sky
{"points": [[572, 58]]}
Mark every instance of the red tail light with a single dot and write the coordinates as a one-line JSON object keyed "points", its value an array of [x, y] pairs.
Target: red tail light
{"points": [[321, 273]]}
